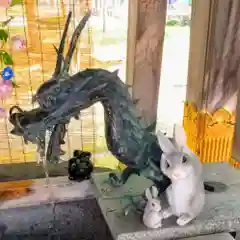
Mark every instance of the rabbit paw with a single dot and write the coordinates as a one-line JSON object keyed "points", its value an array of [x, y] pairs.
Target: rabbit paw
{"points": [[166, 213], [158, 225], [184, 219]]}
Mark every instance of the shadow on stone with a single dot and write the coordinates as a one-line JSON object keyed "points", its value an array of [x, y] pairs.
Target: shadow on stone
{"points": [[217, 186]]}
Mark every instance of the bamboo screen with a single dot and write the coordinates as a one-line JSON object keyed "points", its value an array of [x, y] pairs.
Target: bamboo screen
{"points": [[41, 24]]}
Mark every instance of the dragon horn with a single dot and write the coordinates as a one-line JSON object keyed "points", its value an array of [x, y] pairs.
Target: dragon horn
{"points": [[61, 47], [56, 50], [73, 42]]}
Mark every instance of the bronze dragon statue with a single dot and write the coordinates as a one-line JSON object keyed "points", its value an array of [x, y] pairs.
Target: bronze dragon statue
{"points": [[64, 96]]}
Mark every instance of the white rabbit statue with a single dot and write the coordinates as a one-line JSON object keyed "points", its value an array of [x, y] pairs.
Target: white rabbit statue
{"points": [[152, 217], [186, 195]]}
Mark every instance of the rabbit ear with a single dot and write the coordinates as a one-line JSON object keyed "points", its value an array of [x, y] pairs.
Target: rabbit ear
{"points": [[191, 154], [165, 144], [148, 194], [179, 136], [154, 192], [193, 160]]}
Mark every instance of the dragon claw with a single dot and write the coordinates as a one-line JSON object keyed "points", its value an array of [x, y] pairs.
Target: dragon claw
{"points": [[115, 180], [49, 120], [137, 206]]}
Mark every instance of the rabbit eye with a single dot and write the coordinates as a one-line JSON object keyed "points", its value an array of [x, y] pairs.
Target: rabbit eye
{"points": [[184, 159], [153, 204], [167, 165]]}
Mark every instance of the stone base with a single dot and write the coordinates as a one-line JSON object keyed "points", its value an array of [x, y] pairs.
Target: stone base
{"points": [[219, 236], [66, 211], [221, 212], [234, 163]]}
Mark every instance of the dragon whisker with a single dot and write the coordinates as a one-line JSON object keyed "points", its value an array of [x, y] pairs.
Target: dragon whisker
{"points": [[15, 107], [18, 123]]}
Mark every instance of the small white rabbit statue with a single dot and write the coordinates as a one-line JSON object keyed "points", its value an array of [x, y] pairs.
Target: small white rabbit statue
{"points": [[186, 194], [152, 217]]}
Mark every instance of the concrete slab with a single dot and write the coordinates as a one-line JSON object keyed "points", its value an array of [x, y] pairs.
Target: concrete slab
{"points": [[219, 236], [104, 190], [220, 214], [71, 220], [222, 172]]}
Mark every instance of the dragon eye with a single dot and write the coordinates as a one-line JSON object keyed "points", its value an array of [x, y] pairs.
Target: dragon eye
{"points": [[57, 89], [184, 159], [50, 100]]}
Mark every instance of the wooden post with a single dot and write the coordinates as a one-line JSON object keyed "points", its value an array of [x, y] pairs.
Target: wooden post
{"points": [[214, 54], [199, 40], [213, 78], [146, 32], [34, 39], [236, 140]]}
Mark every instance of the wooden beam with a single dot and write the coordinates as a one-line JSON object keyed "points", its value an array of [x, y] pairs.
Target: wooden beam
{"points": [[131, 43], [236, 138], [145, 44], [33, 29], [214, 54], [213, 78], [200, 28]]}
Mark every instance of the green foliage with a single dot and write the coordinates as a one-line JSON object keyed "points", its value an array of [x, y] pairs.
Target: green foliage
{"points": [[3, 35], [166, 35], [5, 58], [5, 23], [172, 23], [16, 2]]}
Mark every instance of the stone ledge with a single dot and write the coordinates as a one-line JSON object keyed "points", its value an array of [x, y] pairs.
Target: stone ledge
{"points": [[80, 219], [69, 212], [59, 190], [220, 214]]}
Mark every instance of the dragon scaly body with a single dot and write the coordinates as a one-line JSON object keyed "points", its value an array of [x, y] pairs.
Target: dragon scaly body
{"points": [[64, 96]]}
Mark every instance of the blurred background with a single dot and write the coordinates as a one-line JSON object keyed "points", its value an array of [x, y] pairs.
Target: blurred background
{"points": [[37, 25]]}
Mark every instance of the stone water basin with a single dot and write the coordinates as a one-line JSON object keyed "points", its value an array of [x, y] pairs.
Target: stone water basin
{"points": [[68, 210]]}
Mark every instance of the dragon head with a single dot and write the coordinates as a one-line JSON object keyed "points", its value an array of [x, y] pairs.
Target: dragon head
{"points": [[26, 123], [51, 92], [50, 95]]}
